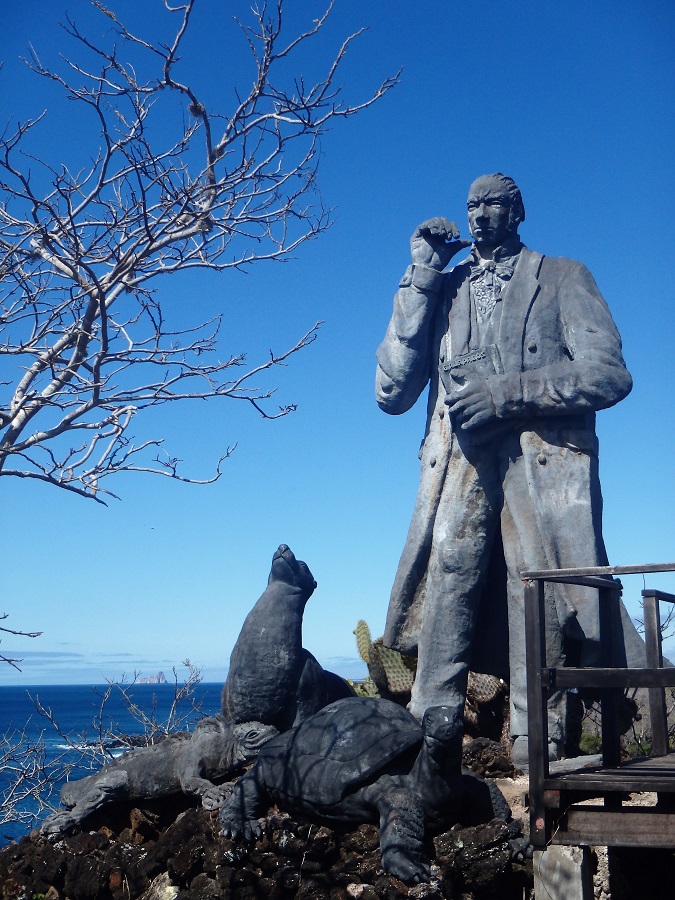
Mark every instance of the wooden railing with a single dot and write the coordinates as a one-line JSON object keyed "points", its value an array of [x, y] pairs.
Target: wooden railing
{"points": [[552, 796]]}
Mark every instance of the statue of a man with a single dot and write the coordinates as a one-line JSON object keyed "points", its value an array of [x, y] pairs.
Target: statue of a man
{"points": [[520, 351]]}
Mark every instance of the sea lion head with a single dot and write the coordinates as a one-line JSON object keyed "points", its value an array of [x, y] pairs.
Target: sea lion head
{"points": [[289, 570]]}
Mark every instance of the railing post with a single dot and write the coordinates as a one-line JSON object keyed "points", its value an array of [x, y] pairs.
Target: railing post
{"points": [[535, 649], [609, 625], [657, 702]]}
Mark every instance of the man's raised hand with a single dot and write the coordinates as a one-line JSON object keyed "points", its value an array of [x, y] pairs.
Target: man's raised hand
{"points": [[435, 242]]}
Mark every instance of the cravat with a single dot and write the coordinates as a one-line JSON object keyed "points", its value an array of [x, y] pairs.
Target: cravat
{"points": [[486, 283]]}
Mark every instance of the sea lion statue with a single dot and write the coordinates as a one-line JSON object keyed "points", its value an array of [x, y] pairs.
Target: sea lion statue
{"points": [[272, 678]]}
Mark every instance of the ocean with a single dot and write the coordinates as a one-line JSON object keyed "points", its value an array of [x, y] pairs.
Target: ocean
{"points": [[80, 726]]}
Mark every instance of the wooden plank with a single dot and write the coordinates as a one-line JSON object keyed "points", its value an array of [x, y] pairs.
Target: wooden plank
{"points": [[612, 824], [609, 721], [660, 595], [658, 713], [595, 826], [613, 781], [650, 763], [584, 764], [645, 568], [610, 678], [594, 581], [535, 651]]}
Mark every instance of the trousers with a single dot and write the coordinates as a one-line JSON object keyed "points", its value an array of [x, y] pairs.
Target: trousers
{"points": [[485, 489]]}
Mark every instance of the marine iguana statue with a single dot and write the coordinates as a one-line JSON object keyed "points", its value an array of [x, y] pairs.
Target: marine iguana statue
{"points": [[181, 762]]}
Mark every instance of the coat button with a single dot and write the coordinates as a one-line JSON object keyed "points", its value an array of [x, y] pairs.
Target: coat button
{"points": [[532, 348], [432, 461], [441, 413], [541, 459]]}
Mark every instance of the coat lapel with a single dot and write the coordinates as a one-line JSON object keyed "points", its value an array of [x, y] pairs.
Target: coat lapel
{"points": [[520, 296], [460, 312]]}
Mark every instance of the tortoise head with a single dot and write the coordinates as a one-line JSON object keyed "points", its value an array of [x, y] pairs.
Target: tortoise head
{"points": [[443, 728]]}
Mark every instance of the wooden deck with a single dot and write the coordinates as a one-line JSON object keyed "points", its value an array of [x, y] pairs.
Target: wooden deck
{"points": [[650, 774]]}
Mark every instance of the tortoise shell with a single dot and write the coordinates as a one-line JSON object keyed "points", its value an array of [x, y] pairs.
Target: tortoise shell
{"points": [[337, 750]]}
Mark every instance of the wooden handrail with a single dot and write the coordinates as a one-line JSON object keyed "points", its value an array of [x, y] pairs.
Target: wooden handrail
{"points": [[644, 569]]}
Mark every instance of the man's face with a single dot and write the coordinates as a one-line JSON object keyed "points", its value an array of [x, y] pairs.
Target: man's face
{"points": [[489, 206]]}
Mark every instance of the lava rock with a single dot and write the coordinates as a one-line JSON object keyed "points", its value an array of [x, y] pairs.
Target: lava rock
{"points": [[191, 860]]}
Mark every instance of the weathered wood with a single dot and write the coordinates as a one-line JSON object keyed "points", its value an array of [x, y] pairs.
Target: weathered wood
{"points": [[608, 783], [609, 678], [609, 722], [593, 763], [592, 826], [658, 712], [659, 595], [560, 574], [535, 650], [593, 581], [554, 815], [654, 773]]}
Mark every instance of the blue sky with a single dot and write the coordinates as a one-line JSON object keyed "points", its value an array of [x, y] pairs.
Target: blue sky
{"points": [[575, 101]]}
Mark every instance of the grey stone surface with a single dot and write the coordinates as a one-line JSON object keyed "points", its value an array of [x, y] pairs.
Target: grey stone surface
{"points": [[272, 678], [181, 762], [562, 873], [368, 760], [519, 351]]}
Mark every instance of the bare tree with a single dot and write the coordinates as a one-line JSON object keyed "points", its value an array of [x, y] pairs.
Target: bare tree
{"points": [[83, 329]]}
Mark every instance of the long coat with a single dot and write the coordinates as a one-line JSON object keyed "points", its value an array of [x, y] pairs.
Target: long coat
{"points": [[559, 361]]}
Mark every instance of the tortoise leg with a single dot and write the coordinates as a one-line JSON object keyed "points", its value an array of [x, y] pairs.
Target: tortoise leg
{"points": [[402, 835], [241, 811], [482, 801]]}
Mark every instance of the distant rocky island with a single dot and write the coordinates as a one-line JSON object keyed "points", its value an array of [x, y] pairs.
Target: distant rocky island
{"points": [[159, 678]]}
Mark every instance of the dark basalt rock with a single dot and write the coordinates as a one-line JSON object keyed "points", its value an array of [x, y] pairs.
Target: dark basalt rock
{"points": [[488, 758], [291, 861]]}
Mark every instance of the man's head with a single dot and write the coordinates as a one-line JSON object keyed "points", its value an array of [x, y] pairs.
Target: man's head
{"points": [[495, 209]]}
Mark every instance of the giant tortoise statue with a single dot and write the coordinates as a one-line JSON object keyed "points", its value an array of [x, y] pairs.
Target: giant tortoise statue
{"points": [[368, 760]]}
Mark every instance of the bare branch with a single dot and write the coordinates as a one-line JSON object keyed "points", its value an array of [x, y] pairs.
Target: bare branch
{"points": [[11, 660]]}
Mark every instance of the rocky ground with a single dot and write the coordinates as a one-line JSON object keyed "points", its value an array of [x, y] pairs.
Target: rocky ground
{"points": [[170, 848]]}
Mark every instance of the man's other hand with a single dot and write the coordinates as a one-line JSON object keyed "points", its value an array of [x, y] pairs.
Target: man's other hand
{"points": [[472, 405]]}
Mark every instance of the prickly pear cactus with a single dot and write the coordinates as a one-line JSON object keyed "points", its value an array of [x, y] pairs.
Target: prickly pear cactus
{"points": [[391, 672], [486, 710], [485, 688], [363, 640], [391, 675], [365, 688], [399, 670]]}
